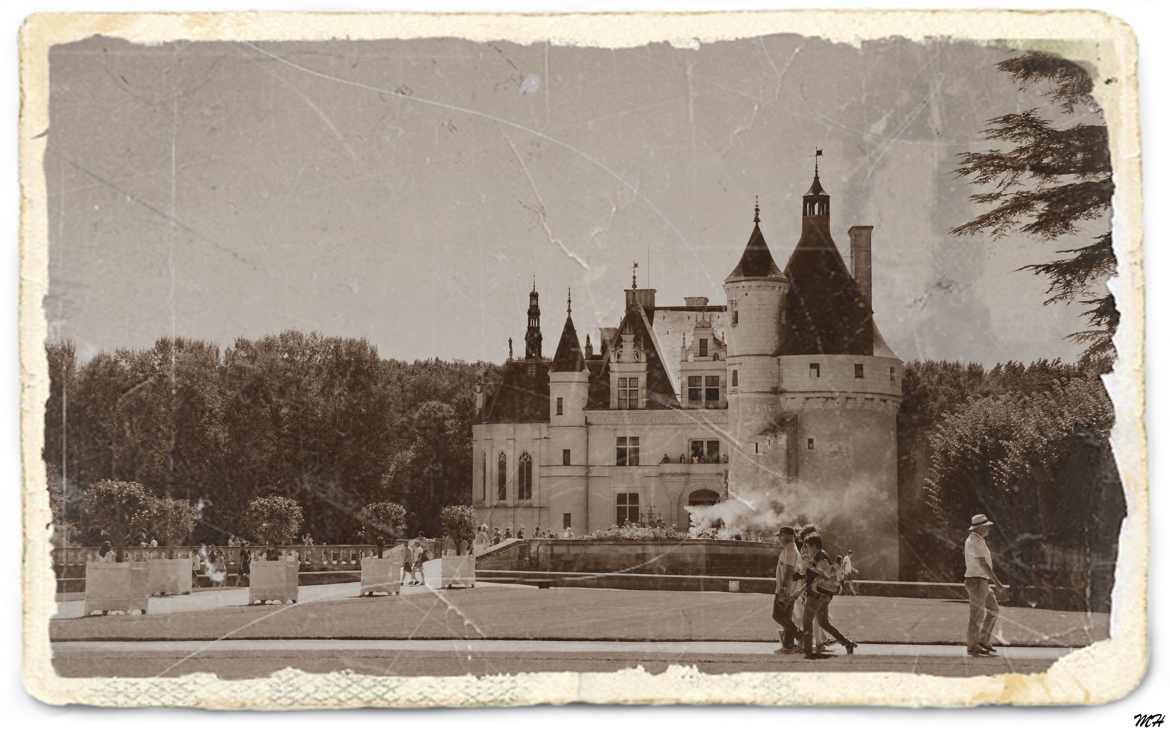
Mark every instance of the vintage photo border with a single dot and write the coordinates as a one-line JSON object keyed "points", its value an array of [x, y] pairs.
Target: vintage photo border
{"points": [[1103, 672]]}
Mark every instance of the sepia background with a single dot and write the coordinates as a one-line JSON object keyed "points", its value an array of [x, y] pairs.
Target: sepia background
{"points": [[408, 192]]}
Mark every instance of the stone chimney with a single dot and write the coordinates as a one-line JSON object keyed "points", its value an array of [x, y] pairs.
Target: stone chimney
{"points": [[479, 397], [861, 252]]}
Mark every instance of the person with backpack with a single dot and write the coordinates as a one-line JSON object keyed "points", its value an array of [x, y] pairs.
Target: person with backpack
{"points": [[821, 583]]}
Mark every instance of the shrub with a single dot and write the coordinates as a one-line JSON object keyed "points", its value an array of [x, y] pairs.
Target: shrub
{"points": [[169, 521], [114, 508], [273, 519], [459, 523], [383, 519]]}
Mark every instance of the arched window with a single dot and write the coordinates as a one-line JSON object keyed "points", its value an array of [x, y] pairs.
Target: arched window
{"points": [[502, 477], [524, 478], [483, 475]]}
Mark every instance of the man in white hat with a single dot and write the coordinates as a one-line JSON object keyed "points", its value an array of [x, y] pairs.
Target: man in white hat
{"points": [[979, 578]]}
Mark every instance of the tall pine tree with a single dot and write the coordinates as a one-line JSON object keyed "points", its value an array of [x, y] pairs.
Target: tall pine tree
{"points": [[1053, 182]]}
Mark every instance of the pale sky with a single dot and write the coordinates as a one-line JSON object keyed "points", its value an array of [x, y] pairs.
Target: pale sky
{"points": [[408, 192]]}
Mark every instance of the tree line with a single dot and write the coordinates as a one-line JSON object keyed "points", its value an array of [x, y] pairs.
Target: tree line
{"points": [[322, 420], [1027, 444]]}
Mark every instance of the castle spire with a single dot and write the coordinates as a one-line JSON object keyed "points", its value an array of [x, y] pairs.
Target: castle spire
{"points": [[532, 337], [635, 279], [816, 199], [756, 219]]}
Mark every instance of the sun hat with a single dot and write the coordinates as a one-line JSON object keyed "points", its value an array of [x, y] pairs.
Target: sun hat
{"points": [[978, 521]]}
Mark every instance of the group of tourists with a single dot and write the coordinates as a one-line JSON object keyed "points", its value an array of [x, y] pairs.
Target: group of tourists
{"points": [[497, 536], [807, 579], [414, 555]]}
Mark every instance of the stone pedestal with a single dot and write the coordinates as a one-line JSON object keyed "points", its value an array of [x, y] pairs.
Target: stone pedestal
{"points": [[113, 586], [382, 575], [273, 581], [168, 576]]}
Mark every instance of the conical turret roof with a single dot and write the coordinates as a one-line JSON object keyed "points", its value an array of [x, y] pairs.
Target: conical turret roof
{"points": [[756, 261], [826, 313], [569, 358]]}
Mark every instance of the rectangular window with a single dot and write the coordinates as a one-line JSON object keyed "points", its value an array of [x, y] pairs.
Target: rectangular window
{"points": [[627, 451], [891, 375], [627, 508], [703, 347], [566, 457], [735, 318], [859, 370], [567, 520], [711, 383], [705, 451], [627, 392], [734, 378], [814, 370], [812, 443], [694, 389], [560, 406]]}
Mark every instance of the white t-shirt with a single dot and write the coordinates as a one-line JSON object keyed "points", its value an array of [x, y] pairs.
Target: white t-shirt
{"points": [[974, 550], [789, 556]]}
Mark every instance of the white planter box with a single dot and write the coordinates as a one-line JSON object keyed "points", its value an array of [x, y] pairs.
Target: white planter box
{"points": [[383, 575], [450, 571], [273, 580], [168, 577], [113, 585]]}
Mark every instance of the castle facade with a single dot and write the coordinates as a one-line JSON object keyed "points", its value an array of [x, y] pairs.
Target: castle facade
{"points": [[787, 390]]}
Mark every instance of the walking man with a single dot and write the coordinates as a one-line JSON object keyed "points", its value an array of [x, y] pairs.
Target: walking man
{"points": [[849, 572], [979, 578], [788, 588]]}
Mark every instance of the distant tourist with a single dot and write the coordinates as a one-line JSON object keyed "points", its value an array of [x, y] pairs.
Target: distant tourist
{"points": [[271, 553], [408, 556], [568, 532], [380, 547], [520, 532], [848, 572], [821, 584], [496, 537], [245, 567], [979, 578], [106, 551], [421, 558], [507, 533], [788, 589]]}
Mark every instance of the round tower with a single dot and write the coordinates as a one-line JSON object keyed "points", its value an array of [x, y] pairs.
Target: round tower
{"points": [[755, 290], [565, 455]]}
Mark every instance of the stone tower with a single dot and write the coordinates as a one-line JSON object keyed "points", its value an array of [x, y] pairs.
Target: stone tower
{"points": [[532, 337], [756, 292], [840, 386], [568, 393]]}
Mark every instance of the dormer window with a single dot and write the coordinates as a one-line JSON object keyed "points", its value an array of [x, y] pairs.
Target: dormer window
{"points": [[627, 393], [814, 370]]}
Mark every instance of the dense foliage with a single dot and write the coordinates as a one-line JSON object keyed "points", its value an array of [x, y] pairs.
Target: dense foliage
{"points": [[273, 519], [168, 521], [382, 520], [459, 523], [1026, 444], [114, 510], [1052, 182], [324, 421]]}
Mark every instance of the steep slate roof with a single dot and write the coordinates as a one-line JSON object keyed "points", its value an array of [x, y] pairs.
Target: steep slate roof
{"points": [[569, 358], [756, 261], [825, 313], [520, 398], [659, 389]]}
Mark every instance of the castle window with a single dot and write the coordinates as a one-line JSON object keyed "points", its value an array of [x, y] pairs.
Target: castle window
{"points": [[712, 391], [734, 378], [483, 476], [627, 508], [627, 451], [502, 477], [560, 406], [627, 393], [892, 374], [566, 457], [814, 370], [566, 520], [735, 318], [858, 370], [524, 478], [703, 347], [694, 389], [812, 443], [705, 451]]}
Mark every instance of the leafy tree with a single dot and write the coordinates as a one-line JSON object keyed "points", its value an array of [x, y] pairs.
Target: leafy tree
{"points": [[1053, 182], [382, 520], [459, 523], [114, 508], [274, 519], [170, 521]]}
